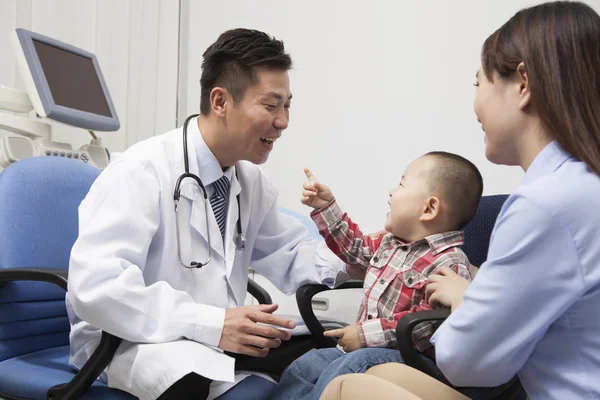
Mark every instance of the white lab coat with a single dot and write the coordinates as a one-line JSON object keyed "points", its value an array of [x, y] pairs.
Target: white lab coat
{"points": [[125, 277]]}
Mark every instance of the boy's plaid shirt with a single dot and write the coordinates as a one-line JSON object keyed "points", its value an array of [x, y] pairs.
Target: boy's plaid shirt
{"points": [[396, 275]]}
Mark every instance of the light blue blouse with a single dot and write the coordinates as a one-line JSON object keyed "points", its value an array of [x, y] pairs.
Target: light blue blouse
{"points": [[534, 307]]}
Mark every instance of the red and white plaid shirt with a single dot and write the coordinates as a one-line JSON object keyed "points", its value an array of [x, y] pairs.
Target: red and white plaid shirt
{"points": [[396, 275]]}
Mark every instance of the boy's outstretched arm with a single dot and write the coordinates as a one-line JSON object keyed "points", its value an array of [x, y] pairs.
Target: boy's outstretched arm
{"points": [[341, 235]]}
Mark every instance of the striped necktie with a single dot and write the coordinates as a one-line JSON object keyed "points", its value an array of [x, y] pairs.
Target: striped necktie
{"points": [[218, 201]]}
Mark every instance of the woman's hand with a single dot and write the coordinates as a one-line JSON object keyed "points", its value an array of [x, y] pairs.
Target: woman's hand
{"points": [[445, 287]]}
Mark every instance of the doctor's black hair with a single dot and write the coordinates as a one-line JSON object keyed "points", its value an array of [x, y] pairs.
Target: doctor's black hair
{"points": [[231, 62]]}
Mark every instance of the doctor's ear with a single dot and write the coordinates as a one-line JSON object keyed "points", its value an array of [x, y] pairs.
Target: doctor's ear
{"points": [[218, 100]]}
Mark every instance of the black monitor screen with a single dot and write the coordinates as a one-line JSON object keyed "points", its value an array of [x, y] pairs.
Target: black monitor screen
{"points": [[72, 79]]}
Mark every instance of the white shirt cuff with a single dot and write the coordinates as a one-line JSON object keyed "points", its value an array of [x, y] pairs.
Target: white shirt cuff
{"points": [[209, 325]]}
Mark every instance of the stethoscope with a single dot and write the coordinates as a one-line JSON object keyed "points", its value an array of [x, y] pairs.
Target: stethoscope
{"points": [[240, 240]]}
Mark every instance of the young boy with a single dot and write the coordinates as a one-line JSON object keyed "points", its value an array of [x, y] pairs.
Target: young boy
{"points": [[437, 196]]}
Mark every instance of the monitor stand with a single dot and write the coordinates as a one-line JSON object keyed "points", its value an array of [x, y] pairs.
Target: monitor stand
{"points": [[35, 135]]}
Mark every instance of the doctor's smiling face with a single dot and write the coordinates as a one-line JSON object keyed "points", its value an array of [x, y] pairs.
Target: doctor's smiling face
{"points": [[245, 96], [263, 113]]}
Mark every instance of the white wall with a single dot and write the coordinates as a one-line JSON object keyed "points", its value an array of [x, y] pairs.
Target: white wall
{"points": [[375, 84], [137, 45]]}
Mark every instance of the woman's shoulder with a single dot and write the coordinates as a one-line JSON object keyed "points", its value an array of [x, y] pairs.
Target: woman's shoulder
{"points": [[571, 189]]}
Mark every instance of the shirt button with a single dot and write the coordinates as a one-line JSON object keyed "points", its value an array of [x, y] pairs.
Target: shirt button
{"points": [[382, 281], [404, 248], [369, 316], [375, 259], [410, 281]]}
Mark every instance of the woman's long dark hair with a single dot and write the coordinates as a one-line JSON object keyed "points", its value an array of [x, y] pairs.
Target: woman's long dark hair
{"points": [[559, 44]]}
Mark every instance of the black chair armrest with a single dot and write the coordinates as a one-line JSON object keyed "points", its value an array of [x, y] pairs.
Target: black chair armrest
{"points": [[106, 350], [99, 359], [91, 370], [304, 296], [404, 331], [51, 275], [411, 356], [260, 294]]}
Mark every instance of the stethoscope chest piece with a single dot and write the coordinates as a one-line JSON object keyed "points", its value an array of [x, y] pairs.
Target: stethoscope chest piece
{"points": [[240, 242]]}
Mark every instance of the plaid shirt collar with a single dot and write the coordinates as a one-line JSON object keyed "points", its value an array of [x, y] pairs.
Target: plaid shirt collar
{"points": [[439, 242]]}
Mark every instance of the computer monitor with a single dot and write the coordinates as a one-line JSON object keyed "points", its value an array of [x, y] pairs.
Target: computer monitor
{"points": [[64, 82]]}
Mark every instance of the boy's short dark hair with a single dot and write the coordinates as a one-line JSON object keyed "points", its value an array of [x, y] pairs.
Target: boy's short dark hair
{"points": [[461, 184], [231, 62]]}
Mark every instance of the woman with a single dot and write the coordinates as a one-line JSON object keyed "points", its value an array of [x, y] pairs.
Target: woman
{"points": [[533, 308]]}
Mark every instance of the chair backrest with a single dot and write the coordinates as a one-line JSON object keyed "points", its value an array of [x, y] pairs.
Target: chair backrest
{"points": [[306, 221], [39, 200], [479, 230]]}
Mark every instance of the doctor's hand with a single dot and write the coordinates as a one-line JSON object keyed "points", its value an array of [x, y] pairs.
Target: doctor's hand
{"points": [[314, 193], [242, 333], [349, 339]]}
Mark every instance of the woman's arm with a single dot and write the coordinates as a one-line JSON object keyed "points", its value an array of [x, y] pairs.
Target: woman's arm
{"points": [[526, 284]]}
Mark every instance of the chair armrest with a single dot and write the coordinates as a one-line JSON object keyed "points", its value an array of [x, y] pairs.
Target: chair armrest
{"points": [[97, 362], [304, 296], [99, 359], [259, 293], [51, 275], [404, 331]]}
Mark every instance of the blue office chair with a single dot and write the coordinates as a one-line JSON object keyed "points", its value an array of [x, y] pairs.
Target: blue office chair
{"points": [[39, 198], [479, 230]]}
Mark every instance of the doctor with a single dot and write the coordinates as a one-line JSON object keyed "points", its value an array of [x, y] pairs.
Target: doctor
{"points": [[172, 283]]}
